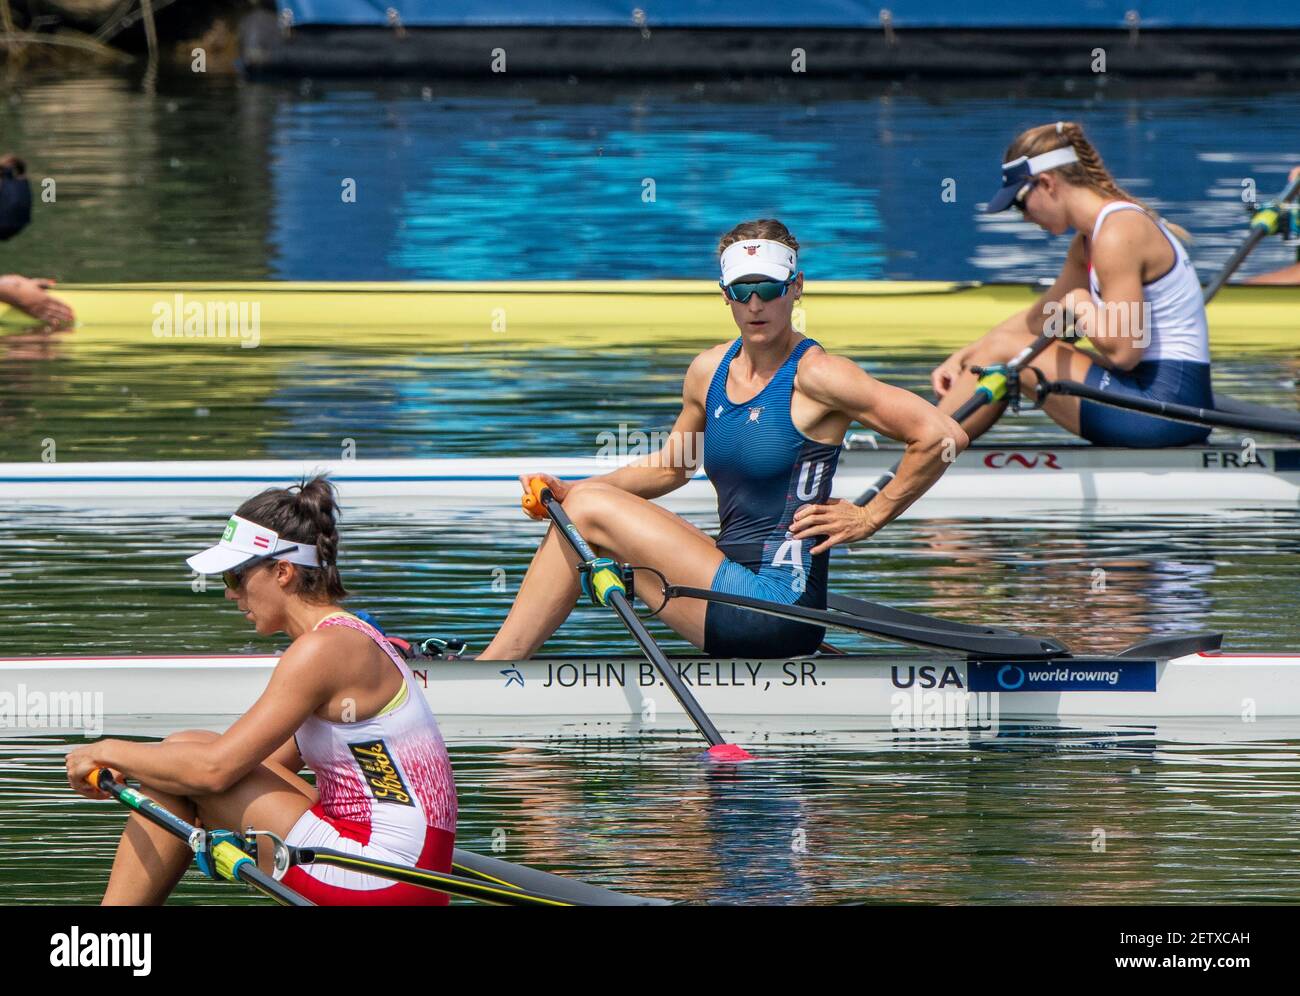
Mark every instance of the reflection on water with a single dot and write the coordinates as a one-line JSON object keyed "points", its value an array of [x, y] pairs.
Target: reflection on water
{"points": [[221, 179], [1031, 815], [116, 582], [838, 811], [136, 402]]}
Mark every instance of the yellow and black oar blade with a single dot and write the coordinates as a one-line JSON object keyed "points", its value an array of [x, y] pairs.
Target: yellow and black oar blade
{"points": [[482, 868], [231, 862], [494, 893], [607, 585]]}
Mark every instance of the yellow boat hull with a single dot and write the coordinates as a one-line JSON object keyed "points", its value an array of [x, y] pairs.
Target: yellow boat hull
{"points": [[849, 315]]}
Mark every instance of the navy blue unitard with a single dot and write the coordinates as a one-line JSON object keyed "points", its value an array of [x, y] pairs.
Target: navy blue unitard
{"points": [[764, 469]]}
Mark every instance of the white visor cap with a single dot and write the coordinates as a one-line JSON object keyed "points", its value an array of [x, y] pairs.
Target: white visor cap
{"points": [[245, 541], [758, 258]]}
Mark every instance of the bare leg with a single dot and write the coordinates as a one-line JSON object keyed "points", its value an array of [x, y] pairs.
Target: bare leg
{"points": [[627, 528], [1059, 361], [150, 861]]}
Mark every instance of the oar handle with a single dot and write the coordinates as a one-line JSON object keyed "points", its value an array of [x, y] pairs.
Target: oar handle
{"points": [[102, 779], [535, 499], [1263, 222]]}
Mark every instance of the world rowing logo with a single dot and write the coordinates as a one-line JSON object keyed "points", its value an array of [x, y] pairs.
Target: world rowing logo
{"points": [[1011, 677], [1035, 461]]}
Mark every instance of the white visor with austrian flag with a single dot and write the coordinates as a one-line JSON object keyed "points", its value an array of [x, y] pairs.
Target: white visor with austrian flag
{"points": [[244, 542]]}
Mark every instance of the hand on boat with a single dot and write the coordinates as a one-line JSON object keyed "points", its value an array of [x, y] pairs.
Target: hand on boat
{"points": [[838, 521], [81, 762], [30, 296]]}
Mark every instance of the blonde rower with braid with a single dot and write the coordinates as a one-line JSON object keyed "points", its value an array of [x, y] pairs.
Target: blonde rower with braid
{"points": [[1127, 279]]}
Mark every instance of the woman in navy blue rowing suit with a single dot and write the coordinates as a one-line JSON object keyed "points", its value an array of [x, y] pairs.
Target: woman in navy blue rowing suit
{"points": [[772, 408], [1128, 280]]}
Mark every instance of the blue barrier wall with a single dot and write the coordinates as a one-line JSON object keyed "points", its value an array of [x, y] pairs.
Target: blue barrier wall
{"points": [[807, 13]]}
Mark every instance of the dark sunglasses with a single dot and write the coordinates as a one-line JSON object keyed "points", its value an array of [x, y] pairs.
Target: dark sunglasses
{"points": [[767, 290], [235, 578], [1022, 195]]}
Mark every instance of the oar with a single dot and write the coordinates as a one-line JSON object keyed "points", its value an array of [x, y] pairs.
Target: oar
{"points": [[991, 388], [607, 587], [1263, 222], [497, 894], [224, 857], [1284, 424]]}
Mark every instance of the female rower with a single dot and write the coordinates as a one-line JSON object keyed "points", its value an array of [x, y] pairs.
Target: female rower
{"points": [[772, 407], [1130, 284], [340, 701]]}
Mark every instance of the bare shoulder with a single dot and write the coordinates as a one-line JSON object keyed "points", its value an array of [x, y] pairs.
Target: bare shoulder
{"points": [[700, 372], [324, 652], [821, 373], [1123, 228], [710, 358]]}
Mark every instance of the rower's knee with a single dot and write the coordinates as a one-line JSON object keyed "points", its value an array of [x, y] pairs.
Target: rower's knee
{"points": [[998, 347], [588, 505], [192, 737], [587, 500]]}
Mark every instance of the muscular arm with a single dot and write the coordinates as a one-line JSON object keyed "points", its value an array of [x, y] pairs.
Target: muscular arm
{"points": [[674, 464], [933, 439], [1051, 306], [299, 685], [1118, 330]]}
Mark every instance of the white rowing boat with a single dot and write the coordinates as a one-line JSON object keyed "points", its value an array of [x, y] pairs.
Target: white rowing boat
{"points": [[990, 476], [909, 690]]}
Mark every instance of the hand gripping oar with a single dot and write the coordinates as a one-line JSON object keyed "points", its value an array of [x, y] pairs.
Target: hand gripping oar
{"points": [[216, 853], [603, 581], [1265, 221], [995, 383]]}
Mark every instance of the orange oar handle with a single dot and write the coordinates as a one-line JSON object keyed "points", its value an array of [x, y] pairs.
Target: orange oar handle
{"points": [[532, 501], [94, 776]]}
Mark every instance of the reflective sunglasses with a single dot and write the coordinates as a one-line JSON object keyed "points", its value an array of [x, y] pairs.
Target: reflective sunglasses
{"points": [[767, 290]]}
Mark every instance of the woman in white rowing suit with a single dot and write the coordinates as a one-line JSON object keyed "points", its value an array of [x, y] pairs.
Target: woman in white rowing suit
{"points": [[771, 408], [1128, 280], [340, 701]]}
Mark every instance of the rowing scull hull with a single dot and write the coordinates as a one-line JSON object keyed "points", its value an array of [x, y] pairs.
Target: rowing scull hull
{"points": [[911, 691], [842, 314], [991, 475]]}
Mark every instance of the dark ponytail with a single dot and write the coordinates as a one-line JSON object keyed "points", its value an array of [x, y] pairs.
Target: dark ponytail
{"points": [[306, 513]]}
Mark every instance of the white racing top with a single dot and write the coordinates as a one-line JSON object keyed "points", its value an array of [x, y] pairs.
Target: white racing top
{"points": [[1178, 327]]}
